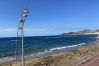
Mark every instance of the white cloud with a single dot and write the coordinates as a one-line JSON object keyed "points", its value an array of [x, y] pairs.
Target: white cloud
{"points": [[26, 30], [36, 29], [29, 31], [8, 30]]}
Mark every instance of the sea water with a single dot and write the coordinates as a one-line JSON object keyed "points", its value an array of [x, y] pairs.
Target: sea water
{"points": [[37, 44]]}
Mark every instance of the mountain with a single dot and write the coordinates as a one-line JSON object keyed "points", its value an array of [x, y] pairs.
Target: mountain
{"points": [[83, 32], [97, 30]]}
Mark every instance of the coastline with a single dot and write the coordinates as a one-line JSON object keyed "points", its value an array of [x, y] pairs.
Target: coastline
{"points": [[67, 58], [44, 53], [56, 54]]}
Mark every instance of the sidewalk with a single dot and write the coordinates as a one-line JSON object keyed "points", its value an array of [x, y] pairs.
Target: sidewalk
{"points": [[91, 62]]}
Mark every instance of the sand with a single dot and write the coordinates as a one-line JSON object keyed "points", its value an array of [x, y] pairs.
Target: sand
{"points": [[61, 59]]}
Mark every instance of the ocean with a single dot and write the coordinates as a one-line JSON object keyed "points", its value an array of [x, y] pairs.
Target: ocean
{"points": [[35, 44]]}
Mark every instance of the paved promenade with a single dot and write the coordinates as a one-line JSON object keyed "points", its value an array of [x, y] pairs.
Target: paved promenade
{"points": [[92, 62]]}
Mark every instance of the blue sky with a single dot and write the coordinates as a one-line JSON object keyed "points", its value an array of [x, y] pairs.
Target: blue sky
{"points": [[49, 17]]}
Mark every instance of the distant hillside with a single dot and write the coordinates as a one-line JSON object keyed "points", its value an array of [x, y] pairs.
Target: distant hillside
{"points": [[83, 32]]}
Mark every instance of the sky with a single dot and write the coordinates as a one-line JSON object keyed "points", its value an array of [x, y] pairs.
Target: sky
{"points": [[48, 17]]}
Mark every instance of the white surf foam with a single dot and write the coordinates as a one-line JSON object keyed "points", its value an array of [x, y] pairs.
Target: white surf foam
{"points": [[58, 48]]}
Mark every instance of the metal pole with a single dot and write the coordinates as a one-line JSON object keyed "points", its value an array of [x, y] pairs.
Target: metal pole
{"points": [[21, 29], [25, 14], [97, 41], [22, 35], [81, 55]]}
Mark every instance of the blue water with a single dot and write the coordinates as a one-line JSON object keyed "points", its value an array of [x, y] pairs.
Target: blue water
{"points": [[41, 43]]}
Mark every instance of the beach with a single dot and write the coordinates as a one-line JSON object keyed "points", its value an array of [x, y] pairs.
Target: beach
{"points": [[62, 58], [53, 52]]}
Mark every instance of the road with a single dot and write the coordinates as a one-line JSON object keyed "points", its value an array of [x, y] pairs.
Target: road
{"points": [[92, 62]]}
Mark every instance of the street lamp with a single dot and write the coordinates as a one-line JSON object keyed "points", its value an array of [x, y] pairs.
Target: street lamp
{"points": [[21, 30]]}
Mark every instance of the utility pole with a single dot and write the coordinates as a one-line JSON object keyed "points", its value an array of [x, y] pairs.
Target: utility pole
{"points": [[21, 30]]}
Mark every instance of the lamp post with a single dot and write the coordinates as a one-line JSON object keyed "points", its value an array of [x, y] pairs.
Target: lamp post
{"points": [[21, 30], [97, 41], [97, 38]]}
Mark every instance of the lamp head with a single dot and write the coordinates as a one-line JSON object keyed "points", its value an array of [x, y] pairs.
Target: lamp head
{"points": [[25, 12]]}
